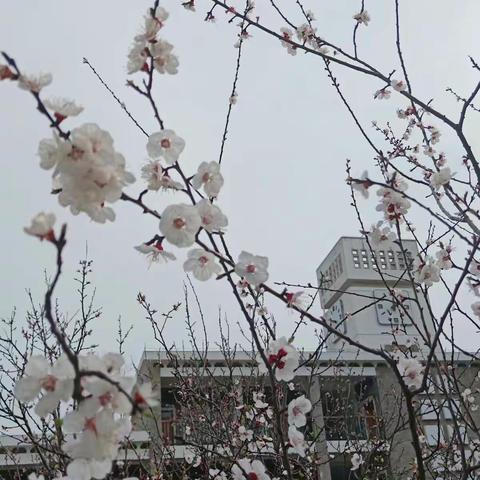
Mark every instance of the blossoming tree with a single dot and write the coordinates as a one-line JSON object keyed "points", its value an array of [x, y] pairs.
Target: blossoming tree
{"points": [[90, 398]]}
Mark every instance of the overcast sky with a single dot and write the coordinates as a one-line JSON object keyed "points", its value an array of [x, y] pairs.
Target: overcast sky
{"points": [[284, 164]]}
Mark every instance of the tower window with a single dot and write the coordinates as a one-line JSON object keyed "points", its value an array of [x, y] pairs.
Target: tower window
{"points": [[408, 254], [382, 260], [391, 260], [401, 256], [365, 259], [356, 258], [338, 262]]}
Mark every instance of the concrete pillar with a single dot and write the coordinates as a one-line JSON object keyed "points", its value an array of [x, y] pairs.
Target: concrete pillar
{"points": [[319, 426], [394, 422]]}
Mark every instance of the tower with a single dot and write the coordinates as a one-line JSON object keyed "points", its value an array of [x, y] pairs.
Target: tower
{"points": [[356, 286]]}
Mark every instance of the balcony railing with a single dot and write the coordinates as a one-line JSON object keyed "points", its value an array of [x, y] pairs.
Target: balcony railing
{"points": [[358, 427]]}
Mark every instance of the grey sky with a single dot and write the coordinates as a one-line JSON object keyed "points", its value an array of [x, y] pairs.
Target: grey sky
{"points": [[284, 164]]}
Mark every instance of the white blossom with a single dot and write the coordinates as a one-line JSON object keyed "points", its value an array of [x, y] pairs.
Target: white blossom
{"points": [[85, 469], [429, 151], [152, 24], [282, 357], [88, 171], [164, 61], [398, 85], [107, 394], [34, 476], [63, 108], [393, 204], [157, 179], [476, 309], [382, 94], [426, 271], [244, 434], [441, 178], [144, 396], [55, 382], [412, 371], [468, 396], [166, 144], [287, 34], [213, 220], [42, 226], [202, 264], [435, 134], [361, 185], [444, 259], [110, 363], [254, 470], [306, 34], [297, 299], [137, 57], [357, 461], [253, 268], [297, 410], [191, 458], [179, 224], [189, 5], [155, 252], [208, 175], [297, 441], [381, 237], [97, 435], [258, 400], [474, 268], [34, 83], [362, 17], [52, 150]]}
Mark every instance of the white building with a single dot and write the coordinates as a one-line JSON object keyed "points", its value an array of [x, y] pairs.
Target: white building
{"points": [[354, 281]]}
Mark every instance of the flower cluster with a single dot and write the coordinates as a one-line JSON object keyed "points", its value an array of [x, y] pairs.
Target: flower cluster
{"points": [[100, 420], [426, 271], [411, 370], [282, 357], [148, 46], [362, 17], [441, 178], [87, 170], [157, 178], [297, 411], [381, 237], [306, 35], [393, 204]]}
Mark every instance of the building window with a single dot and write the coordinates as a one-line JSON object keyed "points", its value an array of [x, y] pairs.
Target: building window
{"points": [[365, 259], [340, 265], [382, 260], [356, 258], [434, 434], [391, 260], [429, 410]]}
